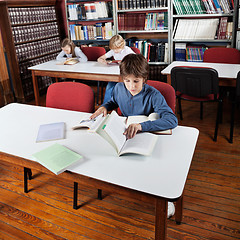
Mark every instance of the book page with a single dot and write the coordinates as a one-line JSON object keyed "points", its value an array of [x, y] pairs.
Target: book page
{"points": [[142, 143], [57, 158], [91, 124], [115, 129], [51, 131]]}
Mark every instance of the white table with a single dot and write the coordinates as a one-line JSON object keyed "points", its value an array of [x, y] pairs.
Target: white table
{"points": [[227, 73], [90, 70], [158, 178]]}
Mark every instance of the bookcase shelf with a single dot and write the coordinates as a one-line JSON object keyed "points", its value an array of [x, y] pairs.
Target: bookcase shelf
{"points": [[145, 25], [31, 35], [195, 27]]}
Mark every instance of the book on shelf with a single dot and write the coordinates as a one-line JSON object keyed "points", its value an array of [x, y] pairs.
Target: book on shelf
{"points": [[196, 28], [180, 51], [57, 158], [141, 4], [183, 7], [111, 129], [195, 53], [51, 131], [238, 40]]}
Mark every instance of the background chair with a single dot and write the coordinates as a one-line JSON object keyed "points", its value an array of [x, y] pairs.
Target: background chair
{"points": [[236, 99], [222, 55], [73, 96], [93, 53], [136, 50], [199, 85]]}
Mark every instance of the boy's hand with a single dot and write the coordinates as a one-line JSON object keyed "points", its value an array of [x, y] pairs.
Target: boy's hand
{"points": [[101, 110], [132, 130], [102, 60]]}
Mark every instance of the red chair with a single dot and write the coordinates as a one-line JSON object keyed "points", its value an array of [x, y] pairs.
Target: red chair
{"points": [[166, 90], [222, 55], [73, 96], [93, 53], [136, 50]]}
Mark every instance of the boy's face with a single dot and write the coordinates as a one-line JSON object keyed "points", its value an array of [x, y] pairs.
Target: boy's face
{"points": [[133, 84], [67, 49]]}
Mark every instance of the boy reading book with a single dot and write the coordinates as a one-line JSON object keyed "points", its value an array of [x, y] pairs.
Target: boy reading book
{"points": [[134, 97], [118, 51], [69, 50]]}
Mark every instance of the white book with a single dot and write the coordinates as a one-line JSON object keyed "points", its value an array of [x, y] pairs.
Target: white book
{"points": [[51, 131]]}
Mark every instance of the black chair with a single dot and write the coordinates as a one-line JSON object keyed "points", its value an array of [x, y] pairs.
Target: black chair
{"points": [[199, 85], [236, 99]]}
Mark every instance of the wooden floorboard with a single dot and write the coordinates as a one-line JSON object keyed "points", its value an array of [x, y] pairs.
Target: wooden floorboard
{"points": [[211, 196]]}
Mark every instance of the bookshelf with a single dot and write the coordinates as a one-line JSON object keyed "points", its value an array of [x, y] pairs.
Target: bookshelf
{"points": [[144, 24], [90, 22], [196, 25], [31, 35]]}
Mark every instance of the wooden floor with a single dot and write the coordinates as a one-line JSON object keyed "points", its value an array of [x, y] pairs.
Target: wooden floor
{"points": [[211, 203]]}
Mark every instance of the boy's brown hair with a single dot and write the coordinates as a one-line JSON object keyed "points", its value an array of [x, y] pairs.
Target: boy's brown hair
{"points": [[68, 42], [136, 65], [116, 42]]}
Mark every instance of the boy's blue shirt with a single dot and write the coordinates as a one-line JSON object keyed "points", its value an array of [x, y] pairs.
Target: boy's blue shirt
{"points": [[149, 100]]}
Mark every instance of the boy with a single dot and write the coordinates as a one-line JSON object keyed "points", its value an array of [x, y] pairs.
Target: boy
{"points": [[134, 97], [118, 52]]}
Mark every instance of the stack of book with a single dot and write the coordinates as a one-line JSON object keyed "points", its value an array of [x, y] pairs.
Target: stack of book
{"points": [[195, 29], [195, 53], [141, 4], [203, 6], [142, 21], [91, 32], [90, 11]]}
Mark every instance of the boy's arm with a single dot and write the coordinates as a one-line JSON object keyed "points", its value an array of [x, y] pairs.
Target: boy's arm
{"points": [[167, 120], [101, 110], [102, 59], [80, 55]]}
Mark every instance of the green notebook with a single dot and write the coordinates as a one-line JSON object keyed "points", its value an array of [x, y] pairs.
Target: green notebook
{"points": [[57, 158]]}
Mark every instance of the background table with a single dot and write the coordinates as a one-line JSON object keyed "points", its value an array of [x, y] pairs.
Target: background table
{"points": [[227, 73], [158, 178], [90, 70]]}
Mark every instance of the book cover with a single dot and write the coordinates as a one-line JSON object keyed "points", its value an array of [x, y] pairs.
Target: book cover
{"points": [[57, 158], [51, 131]]}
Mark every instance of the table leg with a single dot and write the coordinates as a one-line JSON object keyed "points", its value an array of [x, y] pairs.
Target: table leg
{"points": [[169, 79], [179, 210], [161, 219], [56, 79], [26, 180], [75, 196], [35, 87]]}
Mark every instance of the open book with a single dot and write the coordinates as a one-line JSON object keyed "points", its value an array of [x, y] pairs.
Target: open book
{"points": [[142, 118], [112, 127], [69, 61], [113, 62]]}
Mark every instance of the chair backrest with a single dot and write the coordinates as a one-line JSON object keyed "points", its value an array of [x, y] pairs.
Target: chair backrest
{"points": [[70, 96], [93, 53], [196, 82], [166, 90], [136, 50], [222, 55]]}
